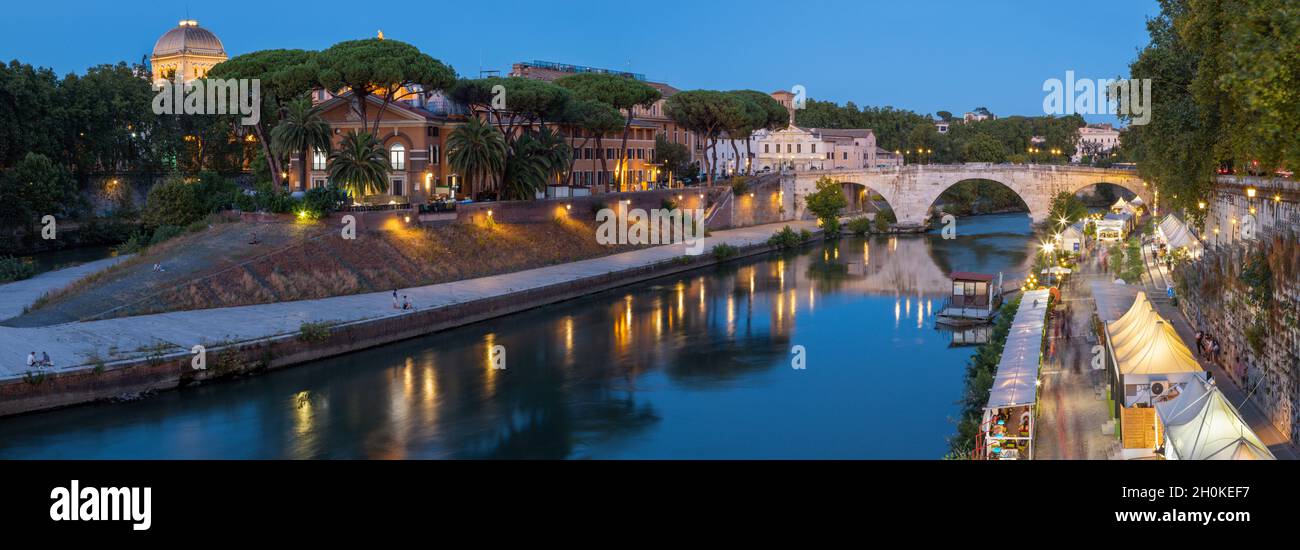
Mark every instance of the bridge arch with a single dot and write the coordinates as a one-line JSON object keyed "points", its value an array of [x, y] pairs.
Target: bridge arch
{"points": [[863, 199], [1007, 195]]}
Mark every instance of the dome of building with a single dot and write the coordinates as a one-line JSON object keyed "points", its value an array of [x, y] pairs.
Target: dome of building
{"points": [[187, 52], [188, 37]]}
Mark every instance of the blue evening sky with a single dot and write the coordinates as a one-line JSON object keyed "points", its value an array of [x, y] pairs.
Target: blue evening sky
{"points": [[920, 55]]}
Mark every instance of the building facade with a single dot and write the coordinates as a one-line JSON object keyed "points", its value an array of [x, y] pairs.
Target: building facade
{"points": [[412, 132], [1095, 140]]}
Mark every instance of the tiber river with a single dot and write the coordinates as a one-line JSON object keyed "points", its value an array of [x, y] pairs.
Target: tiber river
{"points": [[696, 365]]}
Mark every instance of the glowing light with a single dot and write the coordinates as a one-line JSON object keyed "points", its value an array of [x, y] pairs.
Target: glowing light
{"points": [[1250, 192]]}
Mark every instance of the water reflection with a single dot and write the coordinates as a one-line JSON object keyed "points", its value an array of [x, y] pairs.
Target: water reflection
{"points": [[639, 373]]}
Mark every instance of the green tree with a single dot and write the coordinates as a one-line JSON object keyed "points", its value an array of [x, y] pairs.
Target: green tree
{"points": [[1224, 76], [105, 121], [826, 203], [386, 70], [302, 130], [283, 76], [622, 93], [477, 151], [1065, 210], [173, 202], [591, 119], [34, 188], [30, 102], [675, 158], [360, 165], [536, 158], [985, 148], [707, 113], [762, 112]]}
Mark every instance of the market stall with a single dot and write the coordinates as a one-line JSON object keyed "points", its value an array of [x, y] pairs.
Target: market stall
{"points": [[1202, 425], [1008, 421], [1175, 235], [1150, 365]]}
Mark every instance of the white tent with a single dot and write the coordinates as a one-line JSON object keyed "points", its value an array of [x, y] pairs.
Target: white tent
{"points": [[1016, 380], [1153, 348], [1122, 206], [1202, 425], [1176, 235]]}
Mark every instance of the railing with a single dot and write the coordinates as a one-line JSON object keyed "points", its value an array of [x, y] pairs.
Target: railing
{"points": [[374, 207], [437, 207]]}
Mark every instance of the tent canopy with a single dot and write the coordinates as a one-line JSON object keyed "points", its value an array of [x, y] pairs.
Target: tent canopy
{"points": [[1016, 380], [1202, 425], [1176, 234], [1144, 343]]}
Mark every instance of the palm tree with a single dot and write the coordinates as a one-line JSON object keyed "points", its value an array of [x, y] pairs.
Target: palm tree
{"points": [[527, 168], [555, 153], [301, 130], [476, 151], [360, 166]]}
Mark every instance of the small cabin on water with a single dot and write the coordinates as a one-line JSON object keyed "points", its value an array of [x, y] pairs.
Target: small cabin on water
{"points": [[975, 299]]}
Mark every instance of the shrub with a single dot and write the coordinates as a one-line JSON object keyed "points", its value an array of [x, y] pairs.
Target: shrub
{"points": [[785, 238], [860, 225], [831, 227], [14, 269], [724, 251], [314, 332], [739, 185], [137, 242], [173, 201], [884, 219], [270, 199], [321, 201], [215, 192]]}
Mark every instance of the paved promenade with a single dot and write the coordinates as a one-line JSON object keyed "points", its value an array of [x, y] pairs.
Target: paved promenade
{"points": [[70, 345], [14, 296], [1072, 402]]}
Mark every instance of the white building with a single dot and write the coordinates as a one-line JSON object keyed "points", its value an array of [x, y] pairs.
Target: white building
{"points": [[801, 149], [1101, 138]]}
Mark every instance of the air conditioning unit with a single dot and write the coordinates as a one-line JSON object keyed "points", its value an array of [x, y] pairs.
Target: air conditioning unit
{"points": [[1159, 388]]}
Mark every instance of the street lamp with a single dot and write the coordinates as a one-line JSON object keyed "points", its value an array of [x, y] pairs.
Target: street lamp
{"points": [[1048, 248]]}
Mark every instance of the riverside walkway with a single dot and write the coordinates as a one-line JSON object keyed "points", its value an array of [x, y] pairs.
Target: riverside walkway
{"points": [[73, 346], [17, 295]]}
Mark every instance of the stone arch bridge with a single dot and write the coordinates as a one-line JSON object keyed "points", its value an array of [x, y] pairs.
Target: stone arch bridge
{"points": [[911, 190]]}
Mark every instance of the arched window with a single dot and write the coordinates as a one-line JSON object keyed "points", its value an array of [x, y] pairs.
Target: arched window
{"points": [[397, 156]]}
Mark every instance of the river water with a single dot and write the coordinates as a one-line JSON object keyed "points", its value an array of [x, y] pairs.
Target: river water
{"points": [[697, 365]]}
